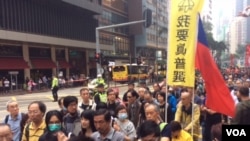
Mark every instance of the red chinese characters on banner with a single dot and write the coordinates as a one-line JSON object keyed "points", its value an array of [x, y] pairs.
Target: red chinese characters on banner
{"points": [[247, 56]]}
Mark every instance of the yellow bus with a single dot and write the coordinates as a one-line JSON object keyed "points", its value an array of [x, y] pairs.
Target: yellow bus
{"points": [[129, 72]]}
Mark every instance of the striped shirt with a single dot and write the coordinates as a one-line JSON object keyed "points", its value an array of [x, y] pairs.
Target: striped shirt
{"points": [[34, 134]]}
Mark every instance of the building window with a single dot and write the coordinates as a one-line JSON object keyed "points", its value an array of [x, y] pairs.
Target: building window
{"points": [[39, 52], [43, 18], [11, 51]]}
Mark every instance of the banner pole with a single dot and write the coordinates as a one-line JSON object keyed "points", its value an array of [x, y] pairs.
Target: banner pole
{"points": [[192, 130]]}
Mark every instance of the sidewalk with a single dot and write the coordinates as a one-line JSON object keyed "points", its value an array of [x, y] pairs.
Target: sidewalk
{"points": [[23, 92]]}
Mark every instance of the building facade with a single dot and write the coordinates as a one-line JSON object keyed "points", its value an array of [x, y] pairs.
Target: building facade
{"points": [[151, 43], [115, 12], [45, 37]]}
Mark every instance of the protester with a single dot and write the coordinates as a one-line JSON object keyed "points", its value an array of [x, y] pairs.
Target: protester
{"points": [[72, 121], [243, 107], [102, 120], [87, 123], [15, 119], [5, 132], [123, 124], [149, 131], [178, 134], [54, 124], [152, 112], [185, 109], [33, 130]]}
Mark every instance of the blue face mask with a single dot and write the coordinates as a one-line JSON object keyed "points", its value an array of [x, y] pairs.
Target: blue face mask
{"points": [[54, 127], [122, 116]]}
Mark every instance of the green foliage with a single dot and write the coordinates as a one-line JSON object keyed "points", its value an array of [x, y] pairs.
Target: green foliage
{"points": [[240, 51], [215, 46]]}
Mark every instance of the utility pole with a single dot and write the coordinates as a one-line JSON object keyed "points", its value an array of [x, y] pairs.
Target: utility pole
{"points": [[98, 66], [157, 40]]}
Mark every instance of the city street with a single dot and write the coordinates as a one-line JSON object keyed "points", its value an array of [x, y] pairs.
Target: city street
{"points": [[46, 97]]}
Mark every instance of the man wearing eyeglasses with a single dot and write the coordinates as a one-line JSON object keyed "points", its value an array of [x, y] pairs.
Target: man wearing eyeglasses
{"points": [[37, 126]]}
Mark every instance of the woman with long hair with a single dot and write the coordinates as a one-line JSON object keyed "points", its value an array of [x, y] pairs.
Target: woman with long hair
{"points": [[54, 122], [87, 121]]}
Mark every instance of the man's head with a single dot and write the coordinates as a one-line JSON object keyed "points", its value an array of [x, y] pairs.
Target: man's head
{"points": [[100, 87], [84, 93], [36, 111], [186, 97], [5, 132], [102, 120], [12, 107], [131, 86], [148, 96], [243, 93], [149, 131], [70, 102], [141, 92], [175, 129], [111, 95], [156, 87], [238, 83], [152, 112], [132, 96]]}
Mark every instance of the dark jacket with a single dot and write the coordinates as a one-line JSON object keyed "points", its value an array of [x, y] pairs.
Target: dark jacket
{"points": [[242, 113], [50, 136], [135, 110]]}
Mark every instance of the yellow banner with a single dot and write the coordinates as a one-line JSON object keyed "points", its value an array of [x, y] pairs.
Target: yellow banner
{"points": [[182, 42]]}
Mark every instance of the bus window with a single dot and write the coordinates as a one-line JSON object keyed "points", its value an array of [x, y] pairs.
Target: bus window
{"points": [[119, 68]]}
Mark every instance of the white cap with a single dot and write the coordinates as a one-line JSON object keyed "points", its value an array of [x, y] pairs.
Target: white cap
{"points": [[99, 75]]}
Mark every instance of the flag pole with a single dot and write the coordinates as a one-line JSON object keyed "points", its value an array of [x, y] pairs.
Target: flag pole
{"points": [[192, 130]]}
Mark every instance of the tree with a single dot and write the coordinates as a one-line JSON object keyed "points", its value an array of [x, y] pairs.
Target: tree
{"points": [[216, 47], [240, 51]]}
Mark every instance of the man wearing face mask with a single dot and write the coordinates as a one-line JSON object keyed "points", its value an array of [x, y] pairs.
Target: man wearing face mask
{"points": [[72, 120], [123, 124]]}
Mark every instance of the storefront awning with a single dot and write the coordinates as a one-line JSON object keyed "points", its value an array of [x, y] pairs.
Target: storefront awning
{"points": [[16, 63], [42, 64], [63, 64]]}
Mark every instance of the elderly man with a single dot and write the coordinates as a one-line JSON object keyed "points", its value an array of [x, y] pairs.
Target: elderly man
{"points": [[152, 112], [184, 114], [15, 119]]}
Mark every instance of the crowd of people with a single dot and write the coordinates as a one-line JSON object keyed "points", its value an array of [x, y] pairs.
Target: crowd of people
{"points": [[165, 113]]}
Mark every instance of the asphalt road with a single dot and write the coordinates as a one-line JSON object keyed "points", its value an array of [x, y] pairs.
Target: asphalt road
{"points": [[46, 97]]}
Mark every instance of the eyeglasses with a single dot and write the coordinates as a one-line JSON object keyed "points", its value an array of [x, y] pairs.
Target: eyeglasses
{"points": [[33, 112], [129, 96]]}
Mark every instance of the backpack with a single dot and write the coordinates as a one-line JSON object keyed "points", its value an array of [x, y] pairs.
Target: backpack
{"points": [[22, 123]]}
